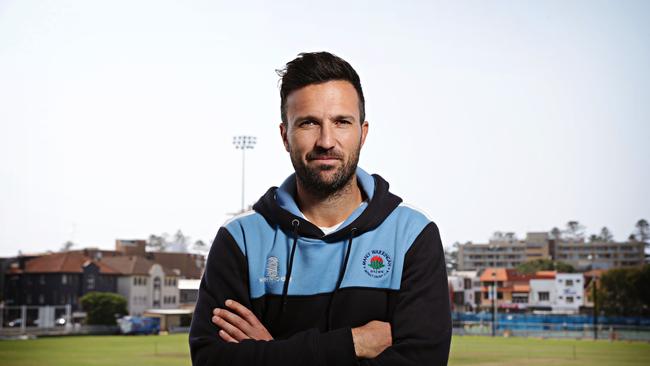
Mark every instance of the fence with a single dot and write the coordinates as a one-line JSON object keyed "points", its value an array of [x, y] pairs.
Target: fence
{"points": [[553, 326], [45, 320]]}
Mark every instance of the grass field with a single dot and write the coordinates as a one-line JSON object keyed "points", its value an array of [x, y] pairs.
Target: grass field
{"points": [[173, 350]]}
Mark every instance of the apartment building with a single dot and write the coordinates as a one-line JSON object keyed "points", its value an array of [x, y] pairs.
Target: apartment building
{"points": [[537, 245], [507, 253], [600, 254]]}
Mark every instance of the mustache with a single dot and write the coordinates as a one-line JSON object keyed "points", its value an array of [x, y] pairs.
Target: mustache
{"points": [[324, 154]]}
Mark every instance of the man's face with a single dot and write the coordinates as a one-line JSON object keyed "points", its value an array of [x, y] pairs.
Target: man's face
{"points": [[323, 135]]}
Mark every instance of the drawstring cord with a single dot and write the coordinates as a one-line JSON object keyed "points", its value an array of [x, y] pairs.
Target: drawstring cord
{"points": [[340, 279], [295, 223]]}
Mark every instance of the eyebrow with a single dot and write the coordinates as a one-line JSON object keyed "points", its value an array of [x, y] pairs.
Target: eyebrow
{"points": [[336, 117]]}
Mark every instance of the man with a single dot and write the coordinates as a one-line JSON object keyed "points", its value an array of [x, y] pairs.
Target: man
{"points": [[330, 268]]}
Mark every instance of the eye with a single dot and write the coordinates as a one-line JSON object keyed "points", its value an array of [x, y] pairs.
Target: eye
{"points": [[343, 122], [307, 123]]}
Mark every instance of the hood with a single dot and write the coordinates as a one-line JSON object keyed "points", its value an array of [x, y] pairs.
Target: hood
{"points": [[278, 207]]}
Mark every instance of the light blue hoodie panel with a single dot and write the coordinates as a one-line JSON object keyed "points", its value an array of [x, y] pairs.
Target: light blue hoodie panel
{"points": [[317, 264], [376, 257]]}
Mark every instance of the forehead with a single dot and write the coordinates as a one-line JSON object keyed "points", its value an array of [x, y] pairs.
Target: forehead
{"points": [[336, 97]]}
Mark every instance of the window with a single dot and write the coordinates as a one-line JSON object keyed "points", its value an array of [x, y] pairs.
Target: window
{"points": [[41, 299], [569, 283], [467, 283], [569, 299], [543, 296], [135, 281], [41, 279], [64, 279], [28, 299], [90, 282]]}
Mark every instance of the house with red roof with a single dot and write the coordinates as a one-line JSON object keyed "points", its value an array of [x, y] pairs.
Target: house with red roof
{"points": [[58, 279]]}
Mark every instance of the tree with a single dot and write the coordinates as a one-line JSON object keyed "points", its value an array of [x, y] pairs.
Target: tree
{"points": [[451, 257], [624, 291], [180, 242], [102, 308], [67, 246], [575, 231], [556, 234], [497, 236], [536, 265], [157, 243], [200, 246], [606, 235], [642, 232]]}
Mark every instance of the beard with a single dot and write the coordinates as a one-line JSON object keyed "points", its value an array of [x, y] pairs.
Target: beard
{"points": [[310, 176]]}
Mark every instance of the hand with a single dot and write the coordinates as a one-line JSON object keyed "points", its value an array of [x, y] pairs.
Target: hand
{"points": [[371, 339], [239, 323]]}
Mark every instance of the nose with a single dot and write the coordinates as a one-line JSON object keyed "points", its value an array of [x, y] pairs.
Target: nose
{"points": [[326, 139]]}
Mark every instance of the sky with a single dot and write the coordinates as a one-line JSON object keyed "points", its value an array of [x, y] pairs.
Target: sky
{"points": [[117, 118]]}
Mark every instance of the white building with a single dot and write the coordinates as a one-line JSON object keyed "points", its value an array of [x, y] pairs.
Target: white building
{"points": [[465, 290], [145, 284], [562, 294], [542, 294], [569, 292]]}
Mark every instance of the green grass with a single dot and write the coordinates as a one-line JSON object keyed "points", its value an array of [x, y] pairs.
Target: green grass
{"points": [[487, 351], [173, 350]]}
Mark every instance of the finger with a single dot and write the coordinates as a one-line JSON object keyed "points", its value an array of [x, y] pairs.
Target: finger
{"points": [[232, 330], [234, 319], [226, 337], [243, 311]]}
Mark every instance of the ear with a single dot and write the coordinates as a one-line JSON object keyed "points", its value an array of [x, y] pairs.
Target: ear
{"points": [[283, 133], [364, 132]]}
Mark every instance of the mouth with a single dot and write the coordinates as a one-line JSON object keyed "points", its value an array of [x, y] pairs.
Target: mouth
{"points": [[324, 158]]}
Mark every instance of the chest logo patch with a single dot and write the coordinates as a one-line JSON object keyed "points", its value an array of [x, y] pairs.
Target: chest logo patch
{"points": [[377, 263], [272, 271]]}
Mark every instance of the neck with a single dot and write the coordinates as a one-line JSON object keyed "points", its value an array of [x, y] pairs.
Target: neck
{"points": [[332, 209]]}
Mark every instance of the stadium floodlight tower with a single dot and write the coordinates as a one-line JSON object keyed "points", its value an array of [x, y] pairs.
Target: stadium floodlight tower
{"points": [[243, 143]]}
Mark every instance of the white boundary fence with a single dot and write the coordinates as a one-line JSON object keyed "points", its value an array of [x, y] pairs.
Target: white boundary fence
{"points": [[45, 320]]}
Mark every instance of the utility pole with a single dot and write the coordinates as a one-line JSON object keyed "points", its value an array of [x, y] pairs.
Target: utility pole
{"points": [[494, 303], [243, 143], [594, 292]]}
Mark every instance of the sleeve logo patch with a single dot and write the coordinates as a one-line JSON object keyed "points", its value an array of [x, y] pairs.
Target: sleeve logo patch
{"points": [[377, 263]]}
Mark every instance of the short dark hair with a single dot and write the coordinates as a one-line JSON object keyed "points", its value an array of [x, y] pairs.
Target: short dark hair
{"points": [[315, 68]]}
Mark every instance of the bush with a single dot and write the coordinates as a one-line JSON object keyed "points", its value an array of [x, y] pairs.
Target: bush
{"points": [[102, 307]]}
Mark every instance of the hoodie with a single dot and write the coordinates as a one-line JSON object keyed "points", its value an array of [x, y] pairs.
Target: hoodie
{"points": [[384, 262]]}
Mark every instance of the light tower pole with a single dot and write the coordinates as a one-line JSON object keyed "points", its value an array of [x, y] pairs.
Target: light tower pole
{"points": [[243, 143]]}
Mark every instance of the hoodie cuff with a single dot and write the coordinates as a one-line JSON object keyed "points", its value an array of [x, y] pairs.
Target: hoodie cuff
{"points": [[337, 347]]}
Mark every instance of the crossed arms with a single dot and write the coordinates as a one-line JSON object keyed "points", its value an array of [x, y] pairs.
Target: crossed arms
{"points": [[419, 332]]}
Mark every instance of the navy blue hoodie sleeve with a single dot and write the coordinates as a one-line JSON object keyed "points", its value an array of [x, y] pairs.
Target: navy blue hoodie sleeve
{"points": [[421, 322], [226, 277]]}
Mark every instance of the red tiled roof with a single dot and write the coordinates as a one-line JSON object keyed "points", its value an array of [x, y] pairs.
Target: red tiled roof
{"points": [[548, 275], [188, 265], [134, 265], [66, 262], [504, 274]]}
